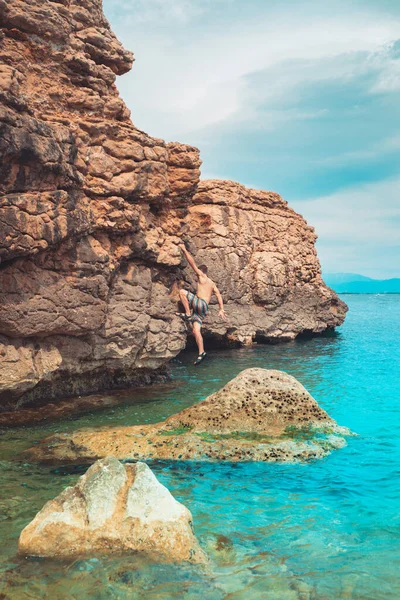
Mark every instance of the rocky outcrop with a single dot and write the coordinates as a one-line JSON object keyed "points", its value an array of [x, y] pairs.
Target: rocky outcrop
{"points": [[260, 415], [263, 256], [113, 509], [92, 209]]}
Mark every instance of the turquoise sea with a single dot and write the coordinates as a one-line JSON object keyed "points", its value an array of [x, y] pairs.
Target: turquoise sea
{"points": [[318, 531]]}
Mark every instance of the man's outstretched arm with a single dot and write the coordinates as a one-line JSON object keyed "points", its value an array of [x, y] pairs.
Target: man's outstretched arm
{"points": [[190, 260], [221, 304]]}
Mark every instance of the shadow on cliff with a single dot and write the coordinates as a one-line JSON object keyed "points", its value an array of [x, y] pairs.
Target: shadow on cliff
{"points": [[214, 341]]}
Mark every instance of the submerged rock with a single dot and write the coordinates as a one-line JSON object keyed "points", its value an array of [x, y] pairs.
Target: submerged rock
{"points": [[114, 508], [261, 415]]}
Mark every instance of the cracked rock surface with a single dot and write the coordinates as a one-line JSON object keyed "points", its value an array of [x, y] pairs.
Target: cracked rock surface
{"points": [[92, 210], [113, 509]]}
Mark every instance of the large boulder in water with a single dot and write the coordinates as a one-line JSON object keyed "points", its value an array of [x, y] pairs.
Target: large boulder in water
{"points": [[257, 400], [261, 415], [114, 508]]}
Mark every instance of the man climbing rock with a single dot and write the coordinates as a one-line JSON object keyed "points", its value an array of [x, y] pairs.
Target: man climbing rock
{"points": [[196, 305]]}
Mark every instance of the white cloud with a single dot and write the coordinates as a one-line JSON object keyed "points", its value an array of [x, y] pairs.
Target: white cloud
{"points": [[153, 11], [365, 213], [387, 63], [389, 79], [376, 150], [255, 72], [358, 227], [191, 78]]}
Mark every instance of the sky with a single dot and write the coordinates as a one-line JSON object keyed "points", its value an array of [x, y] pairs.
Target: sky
{"points": [[299, 97]]}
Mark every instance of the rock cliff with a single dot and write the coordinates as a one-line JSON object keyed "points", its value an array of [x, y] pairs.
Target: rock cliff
{"points": [[91, 210]]}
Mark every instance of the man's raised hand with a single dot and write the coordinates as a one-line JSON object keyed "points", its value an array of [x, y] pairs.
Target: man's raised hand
{"points": [[222, 315]]}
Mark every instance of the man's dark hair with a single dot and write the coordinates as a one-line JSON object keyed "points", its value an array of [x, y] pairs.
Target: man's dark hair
{"points": [[204, 269]]}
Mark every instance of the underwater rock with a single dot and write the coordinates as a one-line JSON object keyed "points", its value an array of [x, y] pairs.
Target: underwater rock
{"points": [[114, 508], [260, 415]]}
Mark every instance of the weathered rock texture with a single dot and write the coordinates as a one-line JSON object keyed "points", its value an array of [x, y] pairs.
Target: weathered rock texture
{"points": [[113, 508], [92, 209], [260, 415], [262, 254]]}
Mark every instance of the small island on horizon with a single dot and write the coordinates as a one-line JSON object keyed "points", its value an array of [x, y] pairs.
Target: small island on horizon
{"points": [[353, 283]]}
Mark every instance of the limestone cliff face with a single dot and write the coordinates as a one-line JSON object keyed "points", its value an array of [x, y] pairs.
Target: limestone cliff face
{"points": [[91, 210]]}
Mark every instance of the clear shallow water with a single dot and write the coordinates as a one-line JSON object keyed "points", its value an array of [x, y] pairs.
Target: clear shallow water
{"points": [[319, 531]]}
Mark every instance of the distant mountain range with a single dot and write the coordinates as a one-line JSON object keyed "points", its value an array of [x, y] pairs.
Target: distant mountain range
{"points": [[352, 283]]}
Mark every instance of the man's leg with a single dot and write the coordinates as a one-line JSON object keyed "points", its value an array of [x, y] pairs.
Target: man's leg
{"points": [[198, 336], [184, 299]]}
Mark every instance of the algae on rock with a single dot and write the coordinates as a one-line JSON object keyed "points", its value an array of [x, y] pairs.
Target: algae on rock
{"points": [[260, 415]]}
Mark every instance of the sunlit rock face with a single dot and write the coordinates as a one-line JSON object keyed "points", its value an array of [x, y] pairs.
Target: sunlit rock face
{"points": [[92, 210], [88, 250], [260, 415], [262, 254], [113, 509]]}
